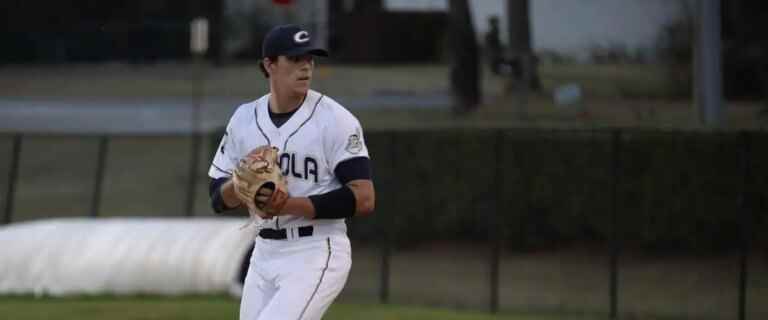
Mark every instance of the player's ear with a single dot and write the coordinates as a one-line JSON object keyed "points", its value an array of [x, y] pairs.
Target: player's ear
{"points": [[267, 65]]}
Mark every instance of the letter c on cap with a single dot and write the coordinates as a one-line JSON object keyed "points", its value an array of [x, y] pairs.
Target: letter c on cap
{"points": [[301, 37]]}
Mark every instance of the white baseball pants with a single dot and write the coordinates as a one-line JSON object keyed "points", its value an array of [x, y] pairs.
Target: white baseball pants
{"points": [[295, 279]]}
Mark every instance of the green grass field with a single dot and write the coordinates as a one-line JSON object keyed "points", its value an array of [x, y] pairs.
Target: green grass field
{"points": [[203, 308]]}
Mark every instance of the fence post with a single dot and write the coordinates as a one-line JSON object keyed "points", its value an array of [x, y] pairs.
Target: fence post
{"points": [[13, 174], [614, 255], [386, 248], [197, 137], [193, 164], [386, 252], [745, 214], [101, 160], [498, 225]]}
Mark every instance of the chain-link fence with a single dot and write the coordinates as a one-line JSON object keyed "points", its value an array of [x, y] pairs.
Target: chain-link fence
{"points": [[610, 223]]}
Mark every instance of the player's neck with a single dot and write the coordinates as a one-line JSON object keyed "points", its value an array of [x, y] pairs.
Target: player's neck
{"points": [[282, 102]]}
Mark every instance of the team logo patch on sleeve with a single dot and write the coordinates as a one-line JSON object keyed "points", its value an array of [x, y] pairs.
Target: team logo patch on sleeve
{"points": [[355, 143]]}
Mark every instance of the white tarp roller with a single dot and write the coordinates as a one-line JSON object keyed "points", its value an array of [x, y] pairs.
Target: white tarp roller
{"points": [[166, 256]]}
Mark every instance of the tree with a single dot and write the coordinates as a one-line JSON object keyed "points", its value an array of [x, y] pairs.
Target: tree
{"points": [[519, 26], [369, 5], [745, 69], [465, 70]]}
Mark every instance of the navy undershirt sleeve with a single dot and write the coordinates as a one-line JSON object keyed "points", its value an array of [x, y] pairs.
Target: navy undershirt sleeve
{"points": [[217, 203], [353, 169], [340, 203]]}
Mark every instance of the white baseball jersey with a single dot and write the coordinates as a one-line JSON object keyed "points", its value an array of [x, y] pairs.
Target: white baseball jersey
{"points": [[299, 277], [319, 136]]}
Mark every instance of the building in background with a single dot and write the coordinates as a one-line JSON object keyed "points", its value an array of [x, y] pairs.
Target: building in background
{"points": [[247, 21], [356, 30], [573, 27]]}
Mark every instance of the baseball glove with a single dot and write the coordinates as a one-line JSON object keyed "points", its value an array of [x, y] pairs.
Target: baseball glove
{"points": [[259, 184]]}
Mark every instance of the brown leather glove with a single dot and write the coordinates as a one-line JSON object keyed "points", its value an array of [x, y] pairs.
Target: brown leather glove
{"points": [[259, 182]]}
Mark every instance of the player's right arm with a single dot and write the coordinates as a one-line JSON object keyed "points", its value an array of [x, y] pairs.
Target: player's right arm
{"points": [[223, 197], [221, 189]]}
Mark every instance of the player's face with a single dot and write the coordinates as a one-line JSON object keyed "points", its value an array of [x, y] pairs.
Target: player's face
{"points": [[293, 73]]}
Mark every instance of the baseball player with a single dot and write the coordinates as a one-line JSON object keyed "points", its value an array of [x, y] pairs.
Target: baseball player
{"points": [[302, 255]]}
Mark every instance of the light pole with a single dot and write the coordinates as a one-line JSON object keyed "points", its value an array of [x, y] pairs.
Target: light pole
{"points": [[709, 64], [198, 45]]}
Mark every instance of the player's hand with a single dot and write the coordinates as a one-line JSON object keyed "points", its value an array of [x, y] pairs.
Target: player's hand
{"points": [[243, 197], [257, 152], [271, 202], [259, 183], [262, 197]]}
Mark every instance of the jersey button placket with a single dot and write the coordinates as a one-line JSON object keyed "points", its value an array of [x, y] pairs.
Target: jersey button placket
{"points": [[277, 143]]}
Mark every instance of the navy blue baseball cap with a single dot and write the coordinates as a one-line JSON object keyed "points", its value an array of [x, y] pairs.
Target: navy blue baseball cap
{"points": [[290, 40]]}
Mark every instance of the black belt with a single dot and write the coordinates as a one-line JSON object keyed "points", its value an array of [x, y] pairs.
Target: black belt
{"points": [[282, 234]]}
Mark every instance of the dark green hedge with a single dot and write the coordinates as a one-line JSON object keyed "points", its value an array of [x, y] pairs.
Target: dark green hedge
{"points": [[543, 188]]}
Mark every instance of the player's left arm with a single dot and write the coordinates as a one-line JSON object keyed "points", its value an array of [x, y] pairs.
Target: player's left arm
{"points": [[365, 196], [347, 154], [356, 174], [356, 197]]}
